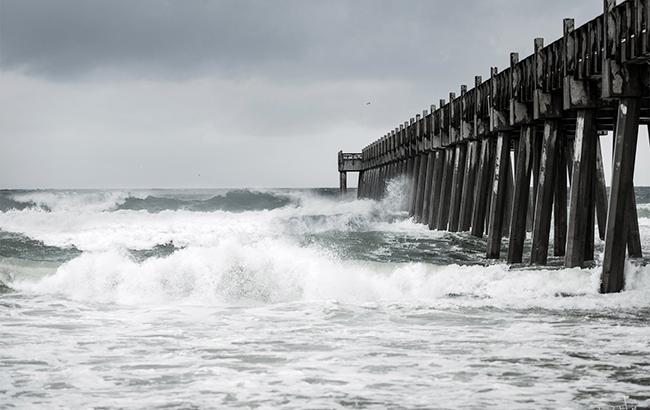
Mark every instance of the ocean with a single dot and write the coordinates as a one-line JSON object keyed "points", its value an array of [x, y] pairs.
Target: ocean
{"points": [[286, 298]]}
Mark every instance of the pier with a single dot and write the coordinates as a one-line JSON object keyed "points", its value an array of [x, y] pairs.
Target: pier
{"points": [[520, 151], [348, 162]]}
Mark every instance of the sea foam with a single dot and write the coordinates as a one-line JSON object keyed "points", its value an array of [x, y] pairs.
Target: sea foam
{"points": [[275, 271], [263, 256]]}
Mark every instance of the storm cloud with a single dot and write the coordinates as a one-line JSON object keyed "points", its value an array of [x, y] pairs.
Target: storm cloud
{"points": [[235, 93]]}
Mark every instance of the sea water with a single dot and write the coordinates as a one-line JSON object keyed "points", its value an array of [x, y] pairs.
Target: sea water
{"points": [[298, 299]]}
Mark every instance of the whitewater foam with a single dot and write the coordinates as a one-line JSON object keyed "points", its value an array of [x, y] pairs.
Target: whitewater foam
{"points": [[92, 229], [274, 271], [75, 201], [262, 256], [322, 302]]}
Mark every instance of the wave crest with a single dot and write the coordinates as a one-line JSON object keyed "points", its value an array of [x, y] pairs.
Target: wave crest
{"points": [[274, 271], [232, 201]]}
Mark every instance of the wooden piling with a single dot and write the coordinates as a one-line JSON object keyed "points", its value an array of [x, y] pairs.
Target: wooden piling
{"points": [[457, 187], [497, 205], [535, 158], [520, 200], [625, 139], [545, 190], [421, 180], [415, 175], [436, 188], [481, 193], [360, 185], [632, 222], [445, 191], [428, 183], [581, 187], [600, 191], [467, 198], [509, 198], [490, 188], [380, 183], [560, 202]]}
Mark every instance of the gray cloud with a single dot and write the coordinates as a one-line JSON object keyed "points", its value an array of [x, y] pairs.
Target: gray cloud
{"points": [[152, 92], [286, 38]]}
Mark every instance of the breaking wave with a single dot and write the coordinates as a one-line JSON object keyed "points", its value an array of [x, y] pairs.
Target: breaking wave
{"points": [[233, 201], [273, 271], [151, 201], [246, 246]]}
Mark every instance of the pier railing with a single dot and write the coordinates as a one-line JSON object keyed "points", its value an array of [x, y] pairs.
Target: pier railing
{"points": [[470, 160]]}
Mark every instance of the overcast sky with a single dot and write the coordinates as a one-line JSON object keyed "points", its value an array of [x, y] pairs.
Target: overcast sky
{"points": [[127, 94]]}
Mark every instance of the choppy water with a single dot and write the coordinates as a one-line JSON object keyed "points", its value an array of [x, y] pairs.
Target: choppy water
{"points": [[297, 299]]}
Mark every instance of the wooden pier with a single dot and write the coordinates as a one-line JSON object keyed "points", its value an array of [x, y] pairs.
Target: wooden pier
{"points": [[348, 162], [471, 160]]}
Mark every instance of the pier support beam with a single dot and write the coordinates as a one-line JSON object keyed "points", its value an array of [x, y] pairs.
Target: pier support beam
{"points": [[445, 191], [467, 196], [497, 204], [482, 193], [633, 236], [536, 156], [521, 190], [625, 139], [421, 184], [428, 184], [360, 186], [581, 206], [377, 195], [600, 191], [436, 188], [457, 187], [407, 178], [560, 202], [544, 202], [415, 176], [509, 197], [343, 182], [367, 176]]}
